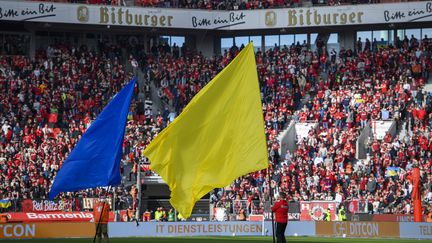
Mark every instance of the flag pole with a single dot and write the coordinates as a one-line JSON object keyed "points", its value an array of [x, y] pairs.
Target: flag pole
{"points": [[138, 184], [271, 204], [114, 204], [100, 217]]}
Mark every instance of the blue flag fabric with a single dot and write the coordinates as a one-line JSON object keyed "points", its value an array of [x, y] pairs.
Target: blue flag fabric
{"points": [[95, 160]]}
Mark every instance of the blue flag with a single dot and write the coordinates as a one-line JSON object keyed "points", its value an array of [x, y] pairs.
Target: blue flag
{"points": [[95, 160]]}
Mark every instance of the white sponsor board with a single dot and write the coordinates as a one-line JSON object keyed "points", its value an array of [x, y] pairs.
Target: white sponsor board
{"points": [[224, 20], [415, 230], [299, 228], [239, 228], [155, 229]]}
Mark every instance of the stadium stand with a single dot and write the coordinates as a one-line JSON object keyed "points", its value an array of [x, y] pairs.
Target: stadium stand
{"points": [[363, 86], [49, 100]]}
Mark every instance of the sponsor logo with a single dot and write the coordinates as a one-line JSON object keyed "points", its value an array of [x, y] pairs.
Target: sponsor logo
{"points": [[32, 12], [191, 228], [29, 205], [77, 215], [17, 230], [425, 230], [321, 17], [83, 14], [127, 16], [270, 18], [360, 229]]}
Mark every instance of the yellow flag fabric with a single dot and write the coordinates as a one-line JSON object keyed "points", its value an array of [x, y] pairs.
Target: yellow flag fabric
{"points": [[217, 138]]}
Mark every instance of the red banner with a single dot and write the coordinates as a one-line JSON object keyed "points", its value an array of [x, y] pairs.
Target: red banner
{"points": [[353, 206], [29, 205], [315, 210], [58, 216], [50, 217]]}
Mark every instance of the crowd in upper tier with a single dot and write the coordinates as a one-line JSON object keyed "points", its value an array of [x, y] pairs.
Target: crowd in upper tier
{"points": [[222, 4]]}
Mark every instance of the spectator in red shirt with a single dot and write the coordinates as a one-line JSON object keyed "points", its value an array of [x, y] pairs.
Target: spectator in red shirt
{"points": [[281, 210]]}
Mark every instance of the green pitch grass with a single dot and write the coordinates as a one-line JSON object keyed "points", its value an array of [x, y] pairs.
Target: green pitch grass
{"points": [[227, 240]]}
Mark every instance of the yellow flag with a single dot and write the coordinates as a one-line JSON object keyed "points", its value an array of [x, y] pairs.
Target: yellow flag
{"points": [[217, 138]]}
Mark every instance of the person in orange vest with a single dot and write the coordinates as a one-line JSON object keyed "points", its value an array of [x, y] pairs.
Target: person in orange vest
{"points": [[130, 213], [3, 218], [429, 216], [146, 216], [101, 215]]}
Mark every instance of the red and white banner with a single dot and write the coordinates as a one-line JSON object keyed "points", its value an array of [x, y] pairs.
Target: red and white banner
{"points": [[314, 210], [58, 217], [29, 205], [88, 202], [50, 217], [353, 206]]}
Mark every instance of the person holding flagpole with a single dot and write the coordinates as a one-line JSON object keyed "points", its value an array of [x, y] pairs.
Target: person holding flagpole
{"points": [[101, 216], [280, 208]]}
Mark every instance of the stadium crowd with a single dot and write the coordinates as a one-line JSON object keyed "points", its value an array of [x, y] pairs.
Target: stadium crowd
{"points": [[48, 101], [218, 4], [350, 91]]}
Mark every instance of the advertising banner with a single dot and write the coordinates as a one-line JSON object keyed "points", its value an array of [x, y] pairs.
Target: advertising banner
{"points": [[29, 205], [298, 228], [87, 202], [314, 210], [239, 228], [50, 217], [293, 211], [217, 20], [415, 230], [59, 216], [393, 217], [46, 230], [352, 206], [357, 229], [154, 229]]}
